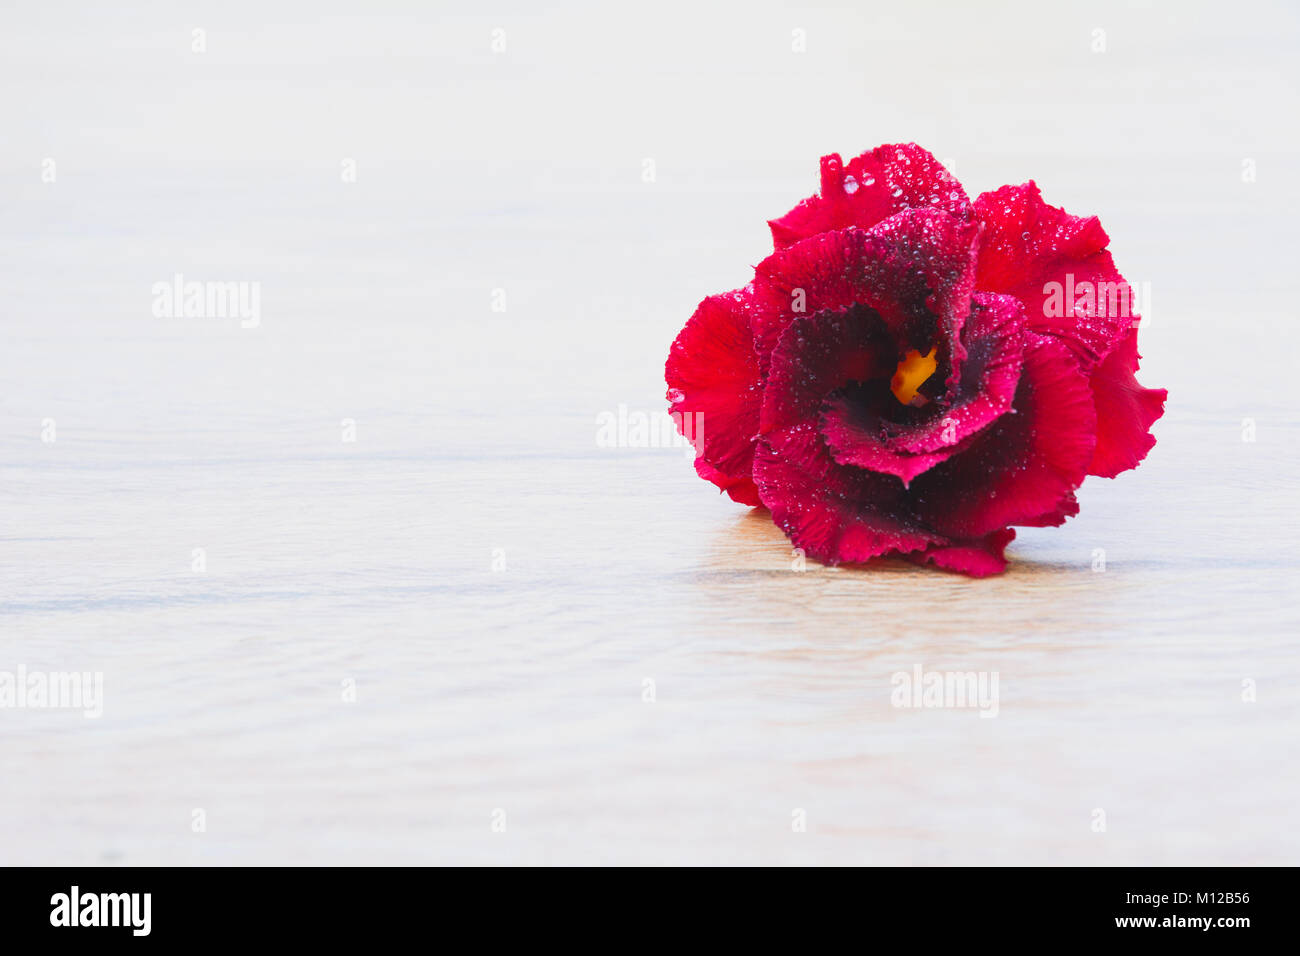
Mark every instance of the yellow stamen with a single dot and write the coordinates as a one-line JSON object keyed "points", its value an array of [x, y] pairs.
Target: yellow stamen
{"points": [[912, 373]]}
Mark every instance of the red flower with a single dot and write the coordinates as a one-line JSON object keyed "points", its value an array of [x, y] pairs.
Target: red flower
{"points": [[913, 373]]}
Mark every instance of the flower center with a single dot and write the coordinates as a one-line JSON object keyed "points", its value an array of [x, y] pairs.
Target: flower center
{"points": [[912, 373]]}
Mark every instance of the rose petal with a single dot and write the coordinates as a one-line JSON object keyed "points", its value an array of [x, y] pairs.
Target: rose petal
{"points": [[853, 424], [714, 386], [1067, 507], [1051, 260], [916, 270], [835, 513], [1023, 469], [979, 559], [817, 355], [858, 432], [1125, 411], [741, 490], [875, 186]]}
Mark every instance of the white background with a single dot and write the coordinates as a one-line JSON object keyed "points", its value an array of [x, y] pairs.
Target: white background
{"points": [[521, 689]]}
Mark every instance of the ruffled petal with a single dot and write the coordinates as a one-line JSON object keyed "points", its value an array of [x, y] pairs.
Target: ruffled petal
{"points": [[1067, 507], [916, 270], [834, 512], [979, 559], [873, 187], [1024, 468], [817, 355], [1057, 264], [910, 441], [1125, 411], [740, 490], [854, 426], [714, 387]]}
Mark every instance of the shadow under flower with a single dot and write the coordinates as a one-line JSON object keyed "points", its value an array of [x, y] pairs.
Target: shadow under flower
{"points": [[753, 574]]}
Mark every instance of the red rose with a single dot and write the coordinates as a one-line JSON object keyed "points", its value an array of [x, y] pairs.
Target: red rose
{"points": [[912, 373]]}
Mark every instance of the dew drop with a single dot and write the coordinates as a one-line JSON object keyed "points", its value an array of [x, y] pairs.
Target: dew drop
{"points": [[868, 179], [850, 185], [675, 395], [898, 191]]}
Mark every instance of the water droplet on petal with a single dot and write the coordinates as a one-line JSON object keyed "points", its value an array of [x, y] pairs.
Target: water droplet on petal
{"points": [[850, 185], [675, 395]]}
